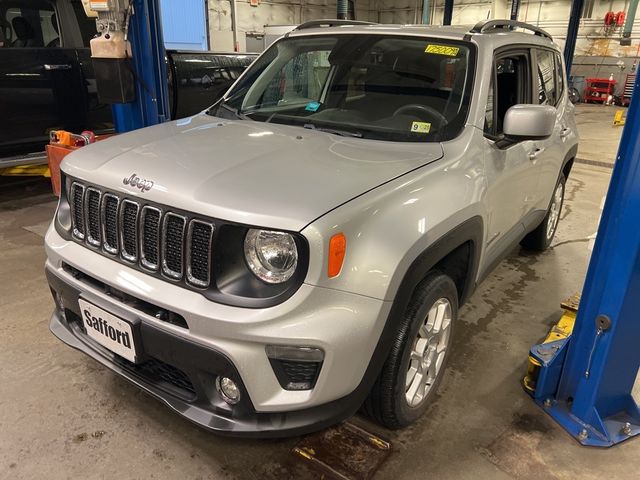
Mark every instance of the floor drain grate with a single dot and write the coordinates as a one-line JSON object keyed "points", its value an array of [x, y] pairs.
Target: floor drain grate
{"points": [[343, 452]]}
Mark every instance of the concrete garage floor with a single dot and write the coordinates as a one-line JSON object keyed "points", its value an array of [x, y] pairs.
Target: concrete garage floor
{"points": [[64, 416], [599, 139]]}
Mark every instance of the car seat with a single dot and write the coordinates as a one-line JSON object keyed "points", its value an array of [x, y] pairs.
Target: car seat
{"points": [[25, 36]]}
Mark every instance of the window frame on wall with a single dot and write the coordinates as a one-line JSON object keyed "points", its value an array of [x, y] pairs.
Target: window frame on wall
{"points": [[587, 9]]}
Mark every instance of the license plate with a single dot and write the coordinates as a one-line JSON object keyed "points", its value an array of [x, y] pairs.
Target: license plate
{"points": [[108, 330]]}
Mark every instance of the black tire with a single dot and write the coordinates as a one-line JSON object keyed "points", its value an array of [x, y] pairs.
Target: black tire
{"points": [[540, 238], [574, 95], [387, 403]]}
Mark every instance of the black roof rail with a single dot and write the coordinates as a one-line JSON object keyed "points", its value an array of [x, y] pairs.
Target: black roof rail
{"points": [[330, 23], [486, 26]]}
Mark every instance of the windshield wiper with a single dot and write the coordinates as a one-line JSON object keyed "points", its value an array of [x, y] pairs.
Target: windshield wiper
{"points": [[335, 131], [234, 111]]}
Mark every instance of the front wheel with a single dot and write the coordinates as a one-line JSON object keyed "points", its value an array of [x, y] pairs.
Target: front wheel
{"points": [[415, 366], [540, 239]]}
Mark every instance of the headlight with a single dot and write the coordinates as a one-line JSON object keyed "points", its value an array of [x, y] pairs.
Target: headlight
{"points": [[271, 256]]}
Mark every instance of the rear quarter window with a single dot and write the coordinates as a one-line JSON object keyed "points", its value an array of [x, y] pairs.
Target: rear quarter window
{"points": [[560, 75], [547, 91]]}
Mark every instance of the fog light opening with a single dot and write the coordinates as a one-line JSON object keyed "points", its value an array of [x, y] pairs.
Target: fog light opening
{"points": [[228, 390], [295, 367]]}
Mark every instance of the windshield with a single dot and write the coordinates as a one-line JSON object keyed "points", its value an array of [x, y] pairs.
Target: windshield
{"points": [[371, 86]]}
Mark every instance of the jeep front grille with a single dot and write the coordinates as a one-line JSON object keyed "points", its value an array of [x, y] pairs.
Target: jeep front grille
{"points": [[173, 241], [199, 252], [140, 233], [110, 204], [92, 211], [150, 246], [77, 210], [129, 230]]}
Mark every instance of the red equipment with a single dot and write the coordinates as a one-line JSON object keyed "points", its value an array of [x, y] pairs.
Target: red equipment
{"points": [[598, 89], [609, 19]]}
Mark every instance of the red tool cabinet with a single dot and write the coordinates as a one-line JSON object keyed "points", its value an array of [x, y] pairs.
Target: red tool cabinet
{"points": [[598, 89]]}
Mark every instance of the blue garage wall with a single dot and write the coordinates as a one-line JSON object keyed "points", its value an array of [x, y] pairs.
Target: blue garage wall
{"points": [[184, 24]]}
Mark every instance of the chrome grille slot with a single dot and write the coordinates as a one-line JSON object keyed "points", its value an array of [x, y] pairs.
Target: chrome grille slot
{"points": [[110, 205], [199, 240], [92, 216], [77, 210], [150, 237], [129, 230], [173, 245]]}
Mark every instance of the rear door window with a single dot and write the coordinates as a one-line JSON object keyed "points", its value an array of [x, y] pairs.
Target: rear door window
{"points": [[29, 24]]}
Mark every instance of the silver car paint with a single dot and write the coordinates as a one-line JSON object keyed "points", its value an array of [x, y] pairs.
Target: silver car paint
{"points": [[250, 172], [390, 226], [338, 322], [391, 200], [530, 120]]}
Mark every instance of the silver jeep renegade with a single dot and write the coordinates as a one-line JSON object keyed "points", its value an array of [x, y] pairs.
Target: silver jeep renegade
{"points": [[300, 249]]}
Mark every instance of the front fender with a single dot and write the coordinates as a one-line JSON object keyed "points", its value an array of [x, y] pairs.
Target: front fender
{"points": [[390, 227]]}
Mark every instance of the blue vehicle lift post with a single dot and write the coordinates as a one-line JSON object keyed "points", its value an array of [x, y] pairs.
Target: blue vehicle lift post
{"points": [[448, 12], [515, 9], [585, 381], [149, 65], [572, 33]]}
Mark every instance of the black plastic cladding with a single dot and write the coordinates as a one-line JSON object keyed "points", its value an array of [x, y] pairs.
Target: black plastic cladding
{"points": [[288, 371], [232, 283]]}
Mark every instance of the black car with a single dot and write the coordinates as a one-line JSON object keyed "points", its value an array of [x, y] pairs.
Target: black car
{"points": [[47, 80]]}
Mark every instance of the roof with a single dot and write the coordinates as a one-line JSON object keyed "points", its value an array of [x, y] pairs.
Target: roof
{"points": [[482, 32]]}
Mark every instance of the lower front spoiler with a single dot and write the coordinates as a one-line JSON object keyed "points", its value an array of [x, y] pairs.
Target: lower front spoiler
{"points": [[222, 419]]}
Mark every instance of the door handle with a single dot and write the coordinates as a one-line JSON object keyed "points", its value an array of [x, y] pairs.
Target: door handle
{"points": [[565, 132], [49, 67], [535, 153]]}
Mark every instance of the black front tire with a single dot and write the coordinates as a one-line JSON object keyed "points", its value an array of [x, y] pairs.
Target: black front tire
{"points": [[387, 403], [540, 239]]}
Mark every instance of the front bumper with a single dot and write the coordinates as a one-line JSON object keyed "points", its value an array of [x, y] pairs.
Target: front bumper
{"points": [[185, 363]]}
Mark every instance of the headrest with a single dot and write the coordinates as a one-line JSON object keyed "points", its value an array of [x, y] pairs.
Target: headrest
{"points": [[22, 28]]}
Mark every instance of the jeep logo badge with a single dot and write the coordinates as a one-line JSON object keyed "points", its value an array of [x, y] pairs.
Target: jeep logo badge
{"points": [[135, 181]]}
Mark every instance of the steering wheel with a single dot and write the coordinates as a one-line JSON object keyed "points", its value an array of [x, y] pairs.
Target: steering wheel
{"points": [[416, 107]]}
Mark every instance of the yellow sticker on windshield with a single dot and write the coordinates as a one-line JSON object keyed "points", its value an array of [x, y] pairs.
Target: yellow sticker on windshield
{"points": [[420, 127], [443, 50]]}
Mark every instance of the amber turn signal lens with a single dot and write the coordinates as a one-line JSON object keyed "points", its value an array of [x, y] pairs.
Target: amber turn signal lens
{"points": [[337, 250]]}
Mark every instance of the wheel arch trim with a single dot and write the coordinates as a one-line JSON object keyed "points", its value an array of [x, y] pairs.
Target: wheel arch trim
{"points": [[470, 231]]}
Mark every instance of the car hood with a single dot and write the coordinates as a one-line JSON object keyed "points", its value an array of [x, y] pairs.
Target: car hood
{"points": [[268, 175]]}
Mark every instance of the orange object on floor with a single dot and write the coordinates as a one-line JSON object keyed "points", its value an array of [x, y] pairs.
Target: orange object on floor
{"points": [[55, 155], [61, 144]]}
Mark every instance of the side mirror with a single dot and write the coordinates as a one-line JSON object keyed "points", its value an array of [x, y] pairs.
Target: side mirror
{"points": [[527, 122]]}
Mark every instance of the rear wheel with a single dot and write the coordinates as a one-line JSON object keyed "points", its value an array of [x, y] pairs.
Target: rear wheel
{"points": [[421, 348], [574, 95], [541, 237]]}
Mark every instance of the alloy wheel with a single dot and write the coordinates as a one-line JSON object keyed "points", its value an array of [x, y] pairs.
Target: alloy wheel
{"points": [[554, 211], [428, 352]]}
